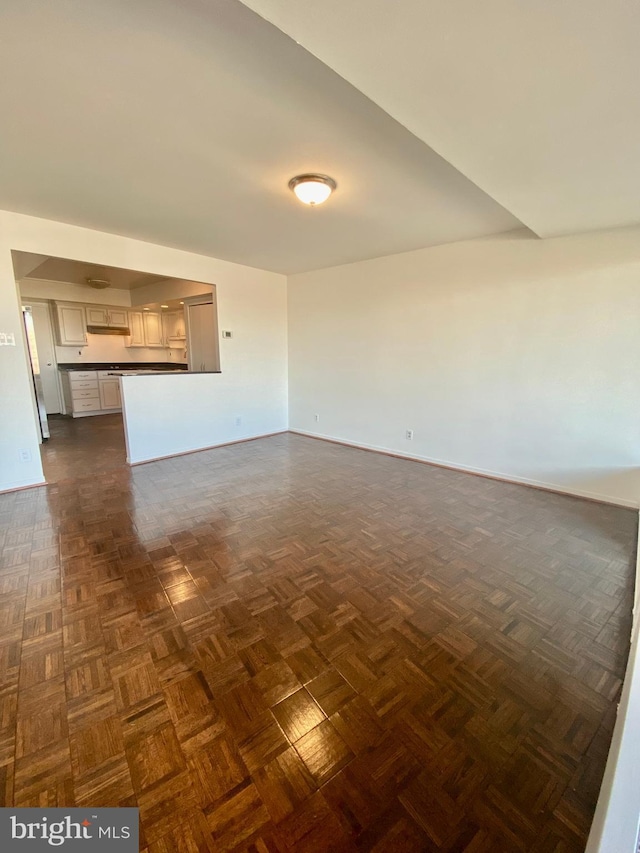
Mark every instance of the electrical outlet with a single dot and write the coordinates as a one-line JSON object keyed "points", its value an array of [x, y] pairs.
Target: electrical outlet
{"points": [[316, 418], [226, 333], [25, 455], [409, 435], [238, 421]]}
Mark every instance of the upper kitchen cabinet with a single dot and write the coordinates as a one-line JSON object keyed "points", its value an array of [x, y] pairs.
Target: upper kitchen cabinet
{"points": [[96, 316], [174, 329], [100, 315], [70, 324], [118, 318], [136, 327], [152, 323], [146, 329]]}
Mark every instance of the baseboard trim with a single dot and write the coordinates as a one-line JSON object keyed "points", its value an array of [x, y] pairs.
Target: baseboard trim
{"points": [[22, 488], [477, 472], [208, 447]]}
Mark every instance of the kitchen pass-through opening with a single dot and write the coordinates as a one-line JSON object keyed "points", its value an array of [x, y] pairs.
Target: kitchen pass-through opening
{"points": [[86, 325]]}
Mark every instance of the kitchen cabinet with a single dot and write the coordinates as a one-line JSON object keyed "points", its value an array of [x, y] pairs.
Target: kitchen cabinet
{"points": [[174, 329], [146, 329], [110, 393], [96, 316], [71, 320], [90, 392], [80, 392], [70, 324], [101, 315], [118, 318], [152, 324], [136, 327]]}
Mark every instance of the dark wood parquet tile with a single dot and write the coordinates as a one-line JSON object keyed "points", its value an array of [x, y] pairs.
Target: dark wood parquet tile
{"points": [[298, 714], [287, 645], [323, 751], [237, 818], [80, 445], [284, 784], [262, 742]]}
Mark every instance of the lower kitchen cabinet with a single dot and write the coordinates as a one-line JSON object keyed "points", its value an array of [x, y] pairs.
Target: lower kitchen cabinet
{"points": [[110, 393], [90, 392]]}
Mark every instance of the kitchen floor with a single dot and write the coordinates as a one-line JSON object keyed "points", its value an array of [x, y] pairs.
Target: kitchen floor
{"points": [[289, 645], [79, 447]]}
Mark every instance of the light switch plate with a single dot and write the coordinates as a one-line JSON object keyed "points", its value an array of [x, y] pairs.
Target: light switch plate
{"points": [[7, 339]]}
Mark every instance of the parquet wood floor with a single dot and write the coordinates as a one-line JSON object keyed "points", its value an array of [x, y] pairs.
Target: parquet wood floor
{"points": [[82, 446], [288, 645]]}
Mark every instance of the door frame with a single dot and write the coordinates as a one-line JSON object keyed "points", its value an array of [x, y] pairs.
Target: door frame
{"points": [[202, 299], [52, 339]]}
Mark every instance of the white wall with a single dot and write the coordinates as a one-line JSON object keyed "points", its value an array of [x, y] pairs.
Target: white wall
{"points": [[251, 302], [510, 356], [196, 410], [18, 431], [200, 410], [617, 816]]}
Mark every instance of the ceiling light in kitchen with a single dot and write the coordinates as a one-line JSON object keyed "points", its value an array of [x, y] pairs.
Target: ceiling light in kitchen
{"points": [[312, 189]]}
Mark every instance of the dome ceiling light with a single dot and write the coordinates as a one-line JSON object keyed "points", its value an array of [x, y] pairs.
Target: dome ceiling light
{"points": [[312, 189]]}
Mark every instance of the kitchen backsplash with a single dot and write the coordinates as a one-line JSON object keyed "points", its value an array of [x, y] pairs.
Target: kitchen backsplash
{"points": [[111, 348]]}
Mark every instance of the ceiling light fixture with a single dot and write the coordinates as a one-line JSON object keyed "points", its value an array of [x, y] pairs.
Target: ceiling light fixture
{"points": [[164, 306], [312, 189]]}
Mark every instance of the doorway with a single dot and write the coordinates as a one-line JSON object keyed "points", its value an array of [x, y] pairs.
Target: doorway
{"points": [[202, 334], [43, 329]]}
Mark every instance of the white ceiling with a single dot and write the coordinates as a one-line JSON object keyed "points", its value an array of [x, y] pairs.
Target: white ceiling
{"points": [[538, 103], [182, 122], [30, 266]]}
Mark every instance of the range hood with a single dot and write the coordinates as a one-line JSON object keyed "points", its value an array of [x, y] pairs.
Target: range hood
{"points": [[108, 330]]}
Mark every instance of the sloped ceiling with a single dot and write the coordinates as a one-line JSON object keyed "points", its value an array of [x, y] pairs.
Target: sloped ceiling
{"points": [[537, 103], [182, 122]]}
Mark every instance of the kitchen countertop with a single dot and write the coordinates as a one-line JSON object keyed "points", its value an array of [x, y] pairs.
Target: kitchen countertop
{"points": [[158, 371], [163, 366]]}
